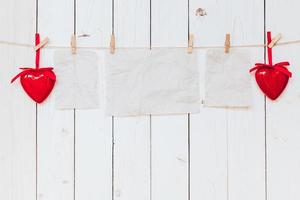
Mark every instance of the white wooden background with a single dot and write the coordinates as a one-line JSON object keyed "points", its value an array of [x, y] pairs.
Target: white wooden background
{"points": [[218, 154]]}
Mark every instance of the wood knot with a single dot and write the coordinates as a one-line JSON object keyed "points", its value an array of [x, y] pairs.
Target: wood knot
{"points": [[200, 12]]}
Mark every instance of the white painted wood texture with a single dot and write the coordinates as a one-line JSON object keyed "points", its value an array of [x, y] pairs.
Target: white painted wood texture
{"points": [[219, 154], [17, 112], [93, 164], [169, 133], [227, 145], [132, 135], [55, 128], [282, 116], [93, 131]]}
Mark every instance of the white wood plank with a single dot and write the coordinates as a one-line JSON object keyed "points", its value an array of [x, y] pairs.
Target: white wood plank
{"points": [[93, 166], [170, 157], [93, 19], [169, 133], [208, 154], [132, 23], [241, 175], [17, 116], [208, 136], [246, 150], [132, 158], [283, 176], [169, 23], [55, 127], [132, 134]]}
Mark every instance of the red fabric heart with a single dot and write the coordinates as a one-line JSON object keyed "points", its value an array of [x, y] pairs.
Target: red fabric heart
{"points": [[37, 82], [272, 79]]}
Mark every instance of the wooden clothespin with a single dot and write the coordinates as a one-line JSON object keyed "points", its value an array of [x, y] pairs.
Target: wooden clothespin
{"points": [[275, 40], [41, 44], [112, 45], [73, 44], [227, 43], [190, 44]]}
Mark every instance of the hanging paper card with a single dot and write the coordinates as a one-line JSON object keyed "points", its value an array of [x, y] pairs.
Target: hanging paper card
{"points": [[160, 81], [78, 80], [227, 83]]}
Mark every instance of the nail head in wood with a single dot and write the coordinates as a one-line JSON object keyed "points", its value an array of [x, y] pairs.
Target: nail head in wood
{"points": [[200, 12]]}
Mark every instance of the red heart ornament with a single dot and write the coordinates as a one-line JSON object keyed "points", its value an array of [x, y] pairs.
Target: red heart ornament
{"points": [[271, 81], [37, 83]]}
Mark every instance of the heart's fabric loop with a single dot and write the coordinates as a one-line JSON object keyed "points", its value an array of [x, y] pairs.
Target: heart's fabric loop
{"points": [[281, 66], [37, 63], [37, 52], [29, 70], [269, 50], [278, 66]]}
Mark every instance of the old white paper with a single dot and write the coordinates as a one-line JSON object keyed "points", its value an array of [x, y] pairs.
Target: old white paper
{"points": [[227, 78], [77, 80], [160, 81]]}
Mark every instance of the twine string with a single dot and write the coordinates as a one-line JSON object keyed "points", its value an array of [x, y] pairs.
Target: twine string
{"points": [[101, 47]]}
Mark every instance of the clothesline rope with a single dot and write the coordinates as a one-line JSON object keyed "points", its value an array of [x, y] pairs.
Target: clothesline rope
{"points": [[195, 47]]}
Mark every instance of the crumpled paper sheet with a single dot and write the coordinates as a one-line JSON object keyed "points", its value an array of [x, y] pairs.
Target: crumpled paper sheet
{"points": [[227, 78], [160, 81], [77, 80]]}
